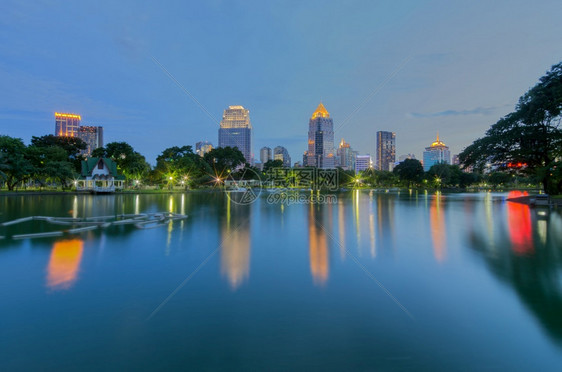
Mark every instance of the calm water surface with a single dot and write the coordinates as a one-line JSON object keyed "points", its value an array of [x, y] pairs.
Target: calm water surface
{"points": [[375, 281]]}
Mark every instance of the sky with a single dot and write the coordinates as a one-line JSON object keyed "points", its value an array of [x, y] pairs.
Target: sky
{"points": [[158, 74]]}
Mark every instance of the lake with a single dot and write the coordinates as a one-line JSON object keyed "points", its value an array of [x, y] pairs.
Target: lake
{"points": [[365, 281]]}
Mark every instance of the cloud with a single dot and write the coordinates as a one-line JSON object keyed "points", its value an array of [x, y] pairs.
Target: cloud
{"points": [[475, 111]]}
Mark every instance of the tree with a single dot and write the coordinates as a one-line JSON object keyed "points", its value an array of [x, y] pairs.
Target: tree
{"points": [[409, 171], [440, 174], [50, 162], [13, 163], [529, 137], [270, 164], [131, 163], [181, 162], [73, 146], [224, 159]]}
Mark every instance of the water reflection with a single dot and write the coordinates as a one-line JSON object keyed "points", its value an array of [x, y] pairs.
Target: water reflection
{"points": [[64, 263], [235, 247], [318, 248], [519, 225], [527, 254], [437, 226]]}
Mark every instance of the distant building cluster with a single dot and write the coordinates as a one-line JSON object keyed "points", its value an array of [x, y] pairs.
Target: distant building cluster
{"points": [[203, 147], [69, 125]]}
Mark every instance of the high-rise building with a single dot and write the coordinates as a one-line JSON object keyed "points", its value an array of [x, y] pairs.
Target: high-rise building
{"points": [[386, 150], [281, 153], [362, 162], [406, 156], [92, 136], [66, 125], [456, 160], [203, 147], [321, 139], [236, 130], [436, 153], [266, 155], [344, 155]]}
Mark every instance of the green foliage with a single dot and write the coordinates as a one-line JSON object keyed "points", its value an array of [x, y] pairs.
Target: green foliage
{"points": [[530, 135], [224, 159], [71, 145], [131, 163], [14, 165], [270, 164], [50, 163], [181, 164], [410, 171]]}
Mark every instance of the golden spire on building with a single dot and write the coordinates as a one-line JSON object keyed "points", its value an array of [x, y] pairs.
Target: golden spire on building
{"points": [[321, 112], [437, 142]]}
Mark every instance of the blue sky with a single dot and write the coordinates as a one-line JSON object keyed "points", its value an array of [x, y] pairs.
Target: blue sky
{"points": [[412, 67]]}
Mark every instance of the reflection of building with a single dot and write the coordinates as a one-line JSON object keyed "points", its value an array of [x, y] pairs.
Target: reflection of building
{"points": [[345, 156], [320, 139], [362, 162], [386, 150], [437, 226], [235, 247], [281, 153], [92, 136], [318, 249], [436, 153], [64, 263], [236, 130], [203, 147], [99, 175], [67, 124]]}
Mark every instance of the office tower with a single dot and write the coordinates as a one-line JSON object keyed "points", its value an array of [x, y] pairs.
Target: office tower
{"points": [[66, 125], [456, 160], [281, 153], [386, 150], [436, 153], [236, 130], [407, 156], [266, 154], [362, 162], [92, 136], [345, 155], [321, 139], [203, 147]]}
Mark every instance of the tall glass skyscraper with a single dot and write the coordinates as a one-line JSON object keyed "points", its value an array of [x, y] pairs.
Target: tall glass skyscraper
{"points": [[67, 125], [345, 156], [386, 150], [436, 153], [236, 130], [93, 136], [281, 153], [266, 155], [320, 152]]}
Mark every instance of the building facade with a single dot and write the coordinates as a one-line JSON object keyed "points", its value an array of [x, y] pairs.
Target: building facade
{"points": [[236, 130], [67, 125], [92, 136], [321, 139], [344, 156], [203, 147], [266, 154], [386, 150], [436, 153], [362, 162], [281, 153]]}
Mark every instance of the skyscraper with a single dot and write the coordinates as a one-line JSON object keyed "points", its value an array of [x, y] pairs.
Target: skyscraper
{"points": [[436, 153], [320, 139], [92, 136], [386, 150], [266, 154], [281, 153], [236, 130], [203, 147], [66, 125], [345, 158]]}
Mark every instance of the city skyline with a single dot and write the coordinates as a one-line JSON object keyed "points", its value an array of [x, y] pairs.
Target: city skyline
{"points": [[388, 67]]}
